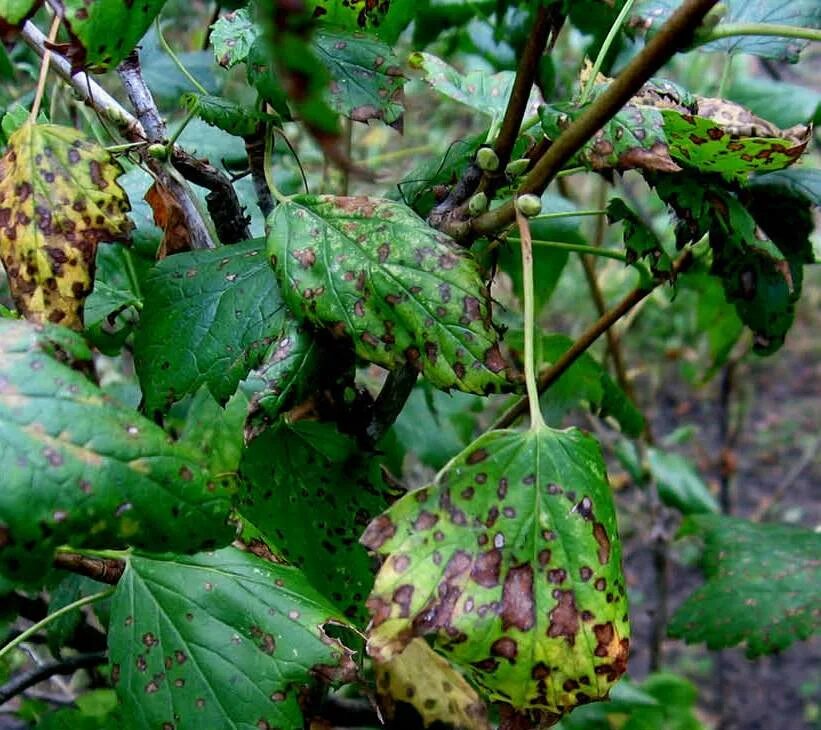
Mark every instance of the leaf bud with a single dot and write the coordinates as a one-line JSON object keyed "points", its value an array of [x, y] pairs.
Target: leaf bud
{"points": [[487, 159], [157, 151], [529, 205], [517, 167], [477, 204]]}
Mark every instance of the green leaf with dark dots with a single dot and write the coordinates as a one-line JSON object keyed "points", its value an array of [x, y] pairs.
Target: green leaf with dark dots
{"points": [[13, 13], [371, 270], [633, 139], [220, 640], [386, 19], [286, 377], [512, 561], [640, 241], [81, 470], [366, 78], [208, 318], [232, 37], [104, 32], [309, 489], [763, 586], [224, 114]]}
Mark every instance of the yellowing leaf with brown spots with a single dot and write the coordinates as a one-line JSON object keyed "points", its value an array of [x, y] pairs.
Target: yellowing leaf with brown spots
{"points": [[512, 561], [422, 678], [58, 199]]}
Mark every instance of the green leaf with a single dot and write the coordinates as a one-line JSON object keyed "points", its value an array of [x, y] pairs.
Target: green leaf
{"points": [[313, 503], [485, 93], [366, 78], [651, 15], [81, 470], [679, 485], [372, 271], [634, 138], [640, 240], [286, 377], [512, 561], [232, 37], [15, 12], [386, 20], [763, 586], [69, 589], [803, 183], [104, 32], [781, 102], [224, 114], [208, 318], [222, 640], [216, 432]]}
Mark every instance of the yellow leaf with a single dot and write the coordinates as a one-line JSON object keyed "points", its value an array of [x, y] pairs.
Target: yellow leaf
{"points": [[422, 678], [58, 199]]}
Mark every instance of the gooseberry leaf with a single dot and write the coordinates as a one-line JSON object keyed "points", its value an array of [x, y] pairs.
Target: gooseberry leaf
{"points": [[511, 560], [366, 78], [208, 318], [371, 270], [483, 92], [640, 241], [386, 20], [232, 37], [309, 489], [763, 586], [633, 138], [220, 640], [225, 114], [679, 484], [79, 469], [286, 377], [58, 199], [104, 32], [422, 678]]}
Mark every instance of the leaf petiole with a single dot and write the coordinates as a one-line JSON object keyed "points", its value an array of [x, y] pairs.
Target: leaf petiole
{"points": [[578, 248], [603, 51], [33, 629]]}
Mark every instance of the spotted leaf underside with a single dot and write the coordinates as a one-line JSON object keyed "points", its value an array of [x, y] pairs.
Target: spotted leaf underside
{"points": [[219, 640], [104, 32], [309, 490], [511, 559], [58, 199], [208, 319], [371, 270], [79, 469], [422, 678], [762, 589]]}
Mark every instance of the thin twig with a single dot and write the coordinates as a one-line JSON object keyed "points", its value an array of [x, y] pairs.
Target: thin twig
{"points": [[41, 81], [672, 36], [105, 570], [551, 374], [20, 683], [390, 401]]}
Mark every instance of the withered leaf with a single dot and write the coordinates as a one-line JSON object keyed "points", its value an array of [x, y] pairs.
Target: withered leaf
{"points": [[169, 216], [58, 199]]}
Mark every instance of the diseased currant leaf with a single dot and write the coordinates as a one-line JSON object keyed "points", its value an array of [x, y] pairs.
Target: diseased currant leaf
{"points": [[727, 139], [386, 20], [309, 489], [58, 199], [104, 32], [79, 469], [220, 640], [13, 13], [640, 241], [763, 586], [232, 37], [651, 15], [286, 377], [485, 93], [422, 678], [208, 318], [633, 138], [215, 432], [372, 271], [366, 77], [512, 561]]}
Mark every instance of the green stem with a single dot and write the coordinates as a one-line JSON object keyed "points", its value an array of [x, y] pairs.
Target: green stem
{"points": [[567, 214], [183, 70], [269, 168], [728, 30], [180, 130], [536, 419], [570, 171], [604, 50], [725, 75], [578, 248], [31, 630]]}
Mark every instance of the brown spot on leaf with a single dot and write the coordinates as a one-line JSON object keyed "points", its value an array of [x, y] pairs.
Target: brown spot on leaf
{"points": [[564, 618], [379, 532], [518, 607], [485, 570], [604, 542], [505, 647], [474, 457]]}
